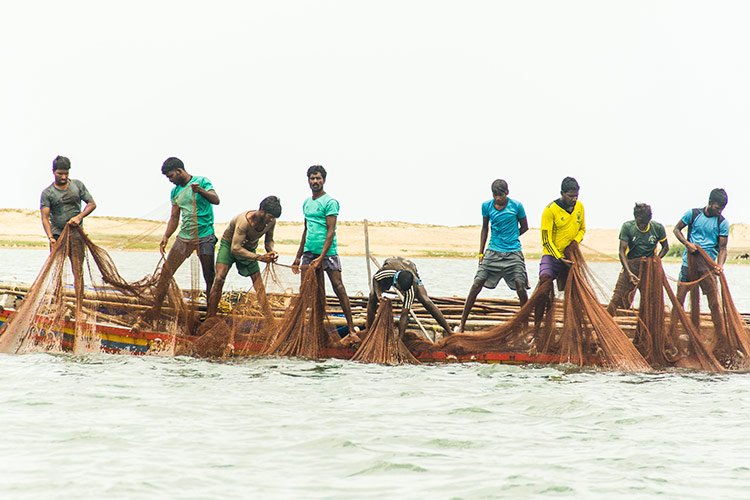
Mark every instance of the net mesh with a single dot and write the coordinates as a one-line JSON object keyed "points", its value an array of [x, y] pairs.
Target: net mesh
{"points": [[56, 316], [382, 344], [586, 334]]}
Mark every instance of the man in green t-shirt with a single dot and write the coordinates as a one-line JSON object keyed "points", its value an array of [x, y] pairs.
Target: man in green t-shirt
{"points": [[638, 239], [192, 198], [318, 248]]}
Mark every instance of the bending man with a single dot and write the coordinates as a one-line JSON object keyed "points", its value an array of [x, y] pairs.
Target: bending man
{"points": [[238, 247], [402, 274]]}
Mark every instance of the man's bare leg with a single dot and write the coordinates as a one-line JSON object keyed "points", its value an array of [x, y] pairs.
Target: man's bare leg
{"points": [[338, 288], [476, 287], [209, 273], [216, 289]]}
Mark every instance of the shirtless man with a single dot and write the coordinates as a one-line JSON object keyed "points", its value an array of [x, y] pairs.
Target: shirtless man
{"points": [[402, 274], [239, 245]]}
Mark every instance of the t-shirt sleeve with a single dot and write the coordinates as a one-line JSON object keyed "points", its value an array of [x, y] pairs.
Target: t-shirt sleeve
{"points": [[485, 209], [661, 233], [206, 184], [45, 200], [724, 228], [624, 233], [84, 193], [687, 217], [521, 212], [582, 229], [332, 208]]}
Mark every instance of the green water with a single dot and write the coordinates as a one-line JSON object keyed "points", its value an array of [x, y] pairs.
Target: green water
{"points": [[147, 427]]}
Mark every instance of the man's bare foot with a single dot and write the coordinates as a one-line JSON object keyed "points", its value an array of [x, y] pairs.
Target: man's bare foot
{"points": [[350, 339]]}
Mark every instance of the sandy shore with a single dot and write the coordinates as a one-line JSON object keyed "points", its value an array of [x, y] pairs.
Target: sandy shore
{"points": [[22, 228]]}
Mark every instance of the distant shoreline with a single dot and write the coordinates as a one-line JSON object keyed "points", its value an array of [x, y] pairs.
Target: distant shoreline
{"points": [[22, 229]]}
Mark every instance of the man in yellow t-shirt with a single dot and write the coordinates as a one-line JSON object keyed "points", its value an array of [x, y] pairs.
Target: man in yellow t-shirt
{"points": [[563, 223]]}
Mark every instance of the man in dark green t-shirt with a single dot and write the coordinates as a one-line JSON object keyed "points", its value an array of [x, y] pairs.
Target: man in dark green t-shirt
{"points": [[638, 239]]}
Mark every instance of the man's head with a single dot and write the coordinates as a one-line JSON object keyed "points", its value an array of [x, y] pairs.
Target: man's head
{"points": [[174, 169], [271, 205], [61, 168], [316, 178], [642, 214], [569, 191], [402, 280], [500, 191], [717, 200]]}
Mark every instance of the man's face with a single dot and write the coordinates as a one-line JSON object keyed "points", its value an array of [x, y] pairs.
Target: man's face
{"points": [[569, 198], [714, 208], [642, 220], [316, 182], [501, 198], [61, 176], [175, 176]]}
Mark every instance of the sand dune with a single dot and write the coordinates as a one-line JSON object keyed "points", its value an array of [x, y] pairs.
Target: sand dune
{"points": [[22, 228]]}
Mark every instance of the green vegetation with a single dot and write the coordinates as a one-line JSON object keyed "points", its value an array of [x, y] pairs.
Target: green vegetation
{"points": [[676, 250]]}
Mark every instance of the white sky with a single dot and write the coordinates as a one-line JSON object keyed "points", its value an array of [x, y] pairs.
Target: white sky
{"points": [[412, 107]]}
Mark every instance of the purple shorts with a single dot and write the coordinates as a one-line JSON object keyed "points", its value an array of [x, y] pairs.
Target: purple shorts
{"points": [[330, 262], [554, 268]]}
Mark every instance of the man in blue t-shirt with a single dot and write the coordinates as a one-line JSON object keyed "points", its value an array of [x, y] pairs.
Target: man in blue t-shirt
{"points": [[318, 248], [503, 259], [709, 230], [192, 199]]}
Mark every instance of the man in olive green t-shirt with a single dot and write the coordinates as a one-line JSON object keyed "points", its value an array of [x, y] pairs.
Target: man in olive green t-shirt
{"points": [[638, 239]]}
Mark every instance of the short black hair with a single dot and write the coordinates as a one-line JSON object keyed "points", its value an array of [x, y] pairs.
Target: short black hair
{"points": [[317, 169], [569, 184], [404, 280], [60, 163], [171, 163], [499, 186], [271, 205], [642, 210], [719, 196]]}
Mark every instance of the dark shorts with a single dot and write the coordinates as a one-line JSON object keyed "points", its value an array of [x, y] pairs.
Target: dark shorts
{"points": [[554, 268], [509, 266], [330, 262], [244, 267], [205, 245], [707, 285]]}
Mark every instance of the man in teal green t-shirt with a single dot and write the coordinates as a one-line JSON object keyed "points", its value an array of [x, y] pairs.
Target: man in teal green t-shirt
{"points": [[317, 248], [192, 199]]}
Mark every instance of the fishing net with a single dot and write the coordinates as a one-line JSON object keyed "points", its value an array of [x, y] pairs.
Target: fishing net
{"points": [[80, 302], [248, 325], [382, 343], [305, 329], [585, 335], [728, 341]]}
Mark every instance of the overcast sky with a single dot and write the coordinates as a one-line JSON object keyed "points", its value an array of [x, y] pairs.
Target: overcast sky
{"points": [[412, 107]]}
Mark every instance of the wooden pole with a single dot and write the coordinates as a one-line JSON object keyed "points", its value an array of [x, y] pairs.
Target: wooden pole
{"points": [[368, 256]]}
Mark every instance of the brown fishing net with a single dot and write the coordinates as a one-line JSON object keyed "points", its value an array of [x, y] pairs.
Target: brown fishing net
{"points": [[728, 342], [80, 302], [305, 330], [585, 334], [382, 343]]}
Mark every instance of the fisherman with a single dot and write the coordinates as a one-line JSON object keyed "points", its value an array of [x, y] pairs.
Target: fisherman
{"points": [[318, 246], [61, 201], [638, 239], [709, 230], [192, 197], [238, 247], [402, 274], [563, 223], [504, 257]]}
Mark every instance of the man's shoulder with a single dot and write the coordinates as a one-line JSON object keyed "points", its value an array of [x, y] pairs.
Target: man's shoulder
{"points": [[48, 190], [658, 226]]}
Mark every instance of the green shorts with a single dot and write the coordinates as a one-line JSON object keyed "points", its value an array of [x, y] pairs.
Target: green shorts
{"points": [[244, 267]]}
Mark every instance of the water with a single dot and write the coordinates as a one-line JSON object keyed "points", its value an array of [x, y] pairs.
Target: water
{"points": [[148, 427]]}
